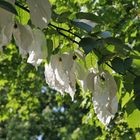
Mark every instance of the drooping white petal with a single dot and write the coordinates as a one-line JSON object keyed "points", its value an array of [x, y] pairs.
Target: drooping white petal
{"points": [[104, 97], [40, 11], [60, 73], [6, 26], [51, 79], [50, 76], [62, 65], [23, 36], [38, 51], [65, 73]]}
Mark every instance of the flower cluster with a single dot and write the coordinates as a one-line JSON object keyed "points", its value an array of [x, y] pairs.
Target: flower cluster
{"points": [[30, 41], [63, 71]]}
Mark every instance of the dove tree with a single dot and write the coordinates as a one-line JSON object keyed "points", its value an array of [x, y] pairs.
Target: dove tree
{"points": [[86, 49]]}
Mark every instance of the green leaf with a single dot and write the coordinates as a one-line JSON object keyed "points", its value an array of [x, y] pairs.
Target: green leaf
{"points": [[133, 119], [106, 57], [105, 34], [127, 63], [137, 85], [50, 48], [8, 6], [137, 101], [121, 65], [23, 16], [128, 79], [114, 41], [63, 17], [88, 44], [89, 16], [118, 65], [82, 25], [119, 45]]}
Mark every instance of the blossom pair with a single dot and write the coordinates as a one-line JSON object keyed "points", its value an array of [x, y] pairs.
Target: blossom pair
{"points": [[62, 73]]}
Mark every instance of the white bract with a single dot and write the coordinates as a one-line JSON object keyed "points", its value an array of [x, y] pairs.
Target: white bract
{"points": [[104, 97], [38, 51], [32, 42], [104, 89], [6, 26], [60, 73], [40, 11], [23, 36]]}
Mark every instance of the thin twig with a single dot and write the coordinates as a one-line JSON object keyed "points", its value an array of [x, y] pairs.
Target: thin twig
{"points": [[112, 67], [64, 30], [22, 7], [67, 37]]}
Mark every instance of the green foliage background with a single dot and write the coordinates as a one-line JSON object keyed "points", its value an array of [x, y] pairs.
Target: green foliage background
{"points": [[29, 108]]}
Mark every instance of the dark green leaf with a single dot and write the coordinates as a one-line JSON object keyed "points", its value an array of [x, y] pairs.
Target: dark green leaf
{"points": [[50, 48], [119, 45], [105, 58], [63, 17], [137, 101], [89, 16], [118, 65], [82, 26], [88, 44], [105, 34], [137, 48], [137, 85], [127, 63], [114, 41], [8, 6]]}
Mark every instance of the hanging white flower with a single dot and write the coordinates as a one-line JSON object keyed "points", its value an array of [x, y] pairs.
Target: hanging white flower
{"points": [[40, 11], [6, 26], [60, 73], [104, 97], [23, 36], [32, 42], [38, 51]]}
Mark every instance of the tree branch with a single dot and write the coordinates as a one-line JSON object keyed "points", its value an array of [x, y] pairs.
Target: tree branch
{"points": [[22, 7], [67, 37], [59, 28], [27, 10]]}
